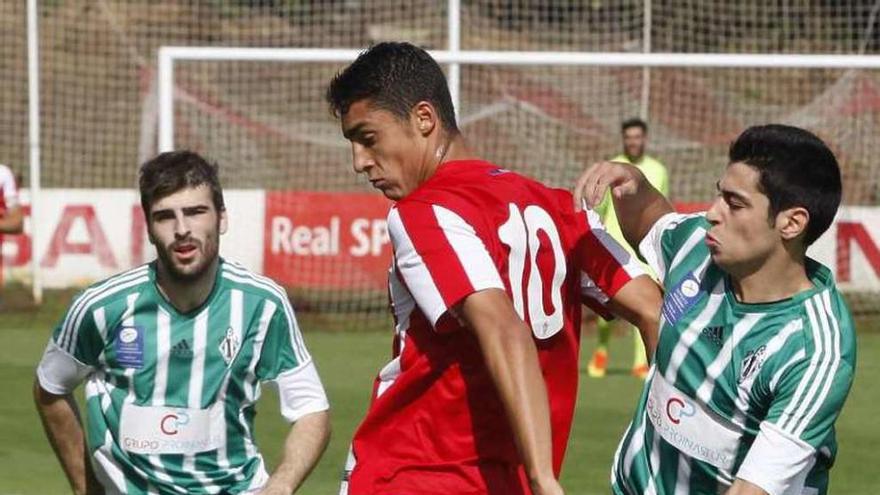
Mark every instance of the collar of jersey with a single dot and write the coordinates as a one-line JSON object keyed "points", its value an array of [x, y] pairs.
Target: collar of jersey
{"points": [[450, 167], [818, 273], [165, 303]]}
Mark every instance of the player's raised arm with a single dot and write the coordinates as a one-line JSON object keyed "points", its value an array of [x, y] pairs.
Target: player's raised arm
{"points": [[638, 204]]}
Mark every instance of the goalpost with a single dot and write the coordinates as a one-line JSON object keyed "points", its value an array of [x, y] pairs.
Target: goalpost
{"points": [[261, 112]]}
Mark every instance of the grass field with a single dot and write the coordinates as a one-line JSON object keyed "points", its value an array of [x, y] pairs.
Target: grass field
{"points": [[348, 362]]}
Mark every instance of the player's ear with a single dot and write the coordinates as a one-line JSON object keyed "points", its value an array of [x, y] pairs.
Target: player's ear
{"points": [[425, 117], [792, 222], [223, 222]]}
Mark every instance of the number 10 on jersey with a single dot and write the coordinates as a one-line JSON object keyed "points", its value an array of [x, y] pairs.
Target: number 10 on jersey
{"points": [[520, 234]]}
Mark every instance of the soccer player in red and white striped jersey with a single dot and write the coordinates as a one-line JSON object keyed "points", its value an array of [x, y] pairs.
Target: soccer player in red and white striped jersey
{"points": [[489, 272]]}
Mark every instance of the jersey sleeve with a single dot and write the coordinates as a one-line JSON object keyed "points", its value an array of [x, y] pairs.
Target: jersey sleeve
{"points": [[439, 256], [605, 265], [8, 188], [808, 396], [673, 236], [73, 350], [285, 363]]}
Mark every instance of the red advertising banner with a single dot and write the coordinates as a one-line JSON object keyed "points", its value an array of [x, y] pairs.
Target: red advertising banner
{"points": [[327, 240]]}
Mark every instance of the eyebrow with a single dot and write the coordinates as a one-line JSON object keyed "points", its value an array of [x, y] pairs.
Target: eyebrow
{"points": [[187, 210], [733, 194], [350, 133]]}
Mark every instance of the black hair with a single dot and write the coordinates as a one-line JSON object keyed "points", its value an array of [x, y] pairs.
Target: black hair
{"points": [[796, 169], [172, 171], [634, 122], [394, 77]]}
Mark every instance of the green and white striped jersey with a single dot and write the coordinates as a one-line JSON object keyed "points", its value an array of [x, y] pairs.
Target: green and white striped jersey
{"points": [[736, 390], [170, 396]]}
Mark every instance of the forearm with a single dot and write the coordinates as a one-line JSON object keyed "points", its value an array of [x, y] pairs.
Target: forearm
{"points": [[303, 448], [639, 302], [61, 421], [513, 365], [512, 362], [639, 211]]}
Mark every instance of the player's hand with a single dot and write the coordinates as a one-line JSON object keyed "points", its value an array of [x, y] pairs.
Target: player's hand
{"points": [[547, 486], [621, 178]]}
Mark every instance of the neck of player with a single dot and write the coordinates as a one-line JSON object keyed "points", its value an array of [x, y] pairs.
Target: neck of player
{"points": [[779, 276], [186, 295]]}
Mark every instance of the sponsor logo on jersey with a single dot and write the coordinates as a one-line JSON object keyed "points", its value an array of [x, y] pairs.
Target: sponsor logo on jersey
{"points": [[714, 334], [181, 350], [752, 362], [678, 408], [171, 424], [229, 346], [129, 346], [498, 171]]}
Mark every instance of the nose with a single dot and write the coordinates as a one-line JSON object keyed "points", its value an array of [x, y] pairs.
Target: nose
{"points": [[360, 158], [181, 226], [712, 214]]}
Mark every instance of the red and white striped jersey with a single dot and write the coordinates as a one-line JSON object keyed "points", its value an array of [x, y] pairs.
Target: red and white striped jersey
{"points": [[8, 189], [436, 423]]}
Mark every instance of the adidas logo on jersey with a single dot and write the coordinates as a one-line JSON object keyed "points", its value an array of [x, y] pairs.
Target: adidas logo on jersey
{"points": [[182, 349], [715, 335]]}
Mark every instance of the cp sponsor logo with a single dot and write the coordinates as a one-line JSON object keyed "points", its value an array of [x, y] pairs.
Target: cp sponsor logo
{"points": [[172, 423], [677, 408]]}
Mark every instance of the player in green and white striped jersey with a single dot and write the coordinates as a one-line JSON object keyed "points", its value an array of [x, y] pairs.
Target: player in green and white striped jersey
{"points": [[173, 354], [756, 348]]}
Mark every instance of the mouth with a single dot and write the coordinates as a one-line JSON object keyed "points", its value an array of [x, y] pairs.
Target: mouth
{"points": [[378, 183], [185, 251], [712, 242]]}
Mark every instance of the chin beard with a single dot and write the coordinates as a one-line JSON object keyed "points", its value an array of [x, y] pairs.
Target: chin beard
{"points": [[189, 276]]}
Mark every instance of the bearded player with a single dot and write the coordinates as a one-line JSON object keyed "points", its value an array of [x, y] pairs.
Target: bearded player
{"points": [[174, 354]]}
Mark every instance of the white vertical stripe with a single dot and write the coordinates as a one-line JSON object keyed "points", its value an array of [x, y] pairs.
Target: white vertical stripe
{"points": [[692, 333], [470, 250], [236, 323], [772, 347], [74, 317], [824, 303], [91, 295], [196, 384], [808, 377], [107, 472], [722, 359], [197, 369], [251, 383], [100, 322], [696, 237], [824, 366], [654, 464], [683, 477], [239, 274], [163, 347], [412, 268]]}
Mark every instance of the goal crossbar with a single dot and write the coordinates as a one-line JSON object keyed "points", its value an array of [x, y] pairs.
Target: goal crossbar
{"points": [[168, 55]]}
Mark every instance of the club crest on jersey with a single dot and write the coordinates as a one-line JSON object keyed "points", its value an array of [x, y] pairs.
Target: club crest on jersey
{"points": [[752, 363], [229, 346]]}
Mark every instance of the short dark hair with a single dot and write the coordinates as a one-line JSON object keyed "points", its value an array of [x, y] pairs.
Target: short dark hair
{"points": [[394, 77], [634, 122], [172, 171], [796, 169]]}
